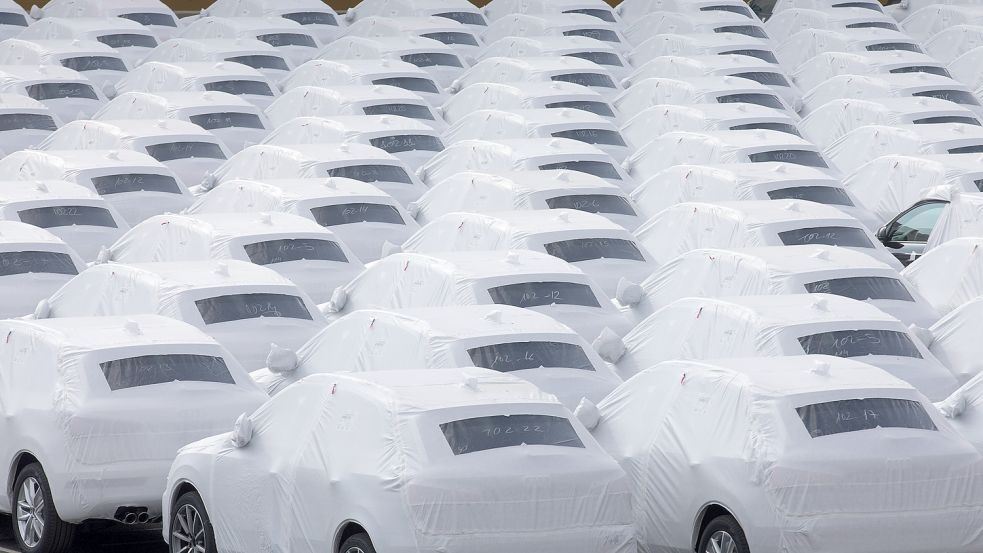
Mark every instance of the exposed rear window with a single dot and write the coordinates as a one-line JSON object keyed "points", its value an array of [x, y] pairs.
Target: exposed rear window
{"points": [[147, 370], [740, 10], [852, 415], [407, 143], [16, 121], [534, 294], [604, 15], [372, 173], [862, 288], [261, 61], [966, 120], [786, 128], [600, 169], [764, 55], [848, 237], [239, 87], [586, 249], [864, 5], [767, 100], [94, 63], [586, 79], [830, 195], [600, 58], [605, 35], [495, 432], [593, 203], [128, 41], [858, 343], [235, 307], [67, 215], [747, 30], [885, 46], [7, 18], [432, 59], [519, 356], [930, 69], [873, 25], [975, 149], [158, 19], [413, 111], [765, 78], [294, 249], [593, 136], [54, 91], [227, 119], [955, 96], [449, 37], [344, 214], [19, 263], [797, 157], [184, 150], [597, 108], [465, 18], [414, 84], [277, 40], [135, 182], [312, 18]]}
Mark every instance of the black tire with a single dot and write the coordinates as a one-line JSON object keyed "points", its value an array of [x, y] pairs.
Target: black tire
{"points": [[56, 535], [188, 503], [728, 525], [359, 543]]}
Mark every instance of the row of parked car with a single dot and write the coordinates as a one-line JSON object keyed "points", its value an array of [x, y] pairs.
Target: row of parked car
{"points": [[541, 275]]}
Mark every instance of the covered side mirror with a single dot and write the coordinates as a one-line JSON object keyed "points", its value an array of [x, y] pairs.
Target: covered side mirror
{"points": [[954, 406], [587, 413], [242, 431], [628, 293], [281, 360], [609, 345]]}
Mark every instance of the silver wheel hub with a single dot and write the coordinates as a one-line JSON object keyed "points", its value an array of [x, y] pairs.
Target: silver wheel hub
{"points": [[187, 531], [721, 542], [30, 512]]}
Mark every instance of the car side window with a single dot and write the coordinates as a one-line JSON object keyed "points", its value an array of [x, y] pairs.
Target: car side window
{"points": [[917, 223]]}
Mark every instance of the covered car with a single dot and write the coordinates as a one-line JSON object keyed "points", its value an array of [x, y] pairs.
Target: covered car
{"points": [[134, 183], [248, 51], [382, 72], [13, 19], [782, 25], [152, 14], [954, 342], [640, 8], [310, 255], [594, 8], [324, 101], [367, 220], [94, 60], [462, 11], [542, 69], [701, 44], [564, 24], [897, 85], [66, 92], [243, 306], [128, 38], [742, 454], [654, 121], [224, 76], [824, 5], [808, 43], [293, 40], [521, 278], [465, 435], [696, 90], [520, 342], [591, 49], [947, 45], [863, 144], [317, 17], [134, 390], [459, 38], [712, 22], [603, 250], [34, 263], [950, 275], [829, 64], [24, 122], [943, 213], [432, 56], [964, 68], [524, 95]]}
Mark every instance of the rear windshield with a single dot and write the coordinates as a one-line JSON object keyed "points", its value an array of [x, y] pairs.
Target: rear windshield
{"points": [[597, 108], [797, 157], [19, 263], [135, 182], [765, 78], [519, 356], [67, 216], [848, 237], [862, 288], [7, 18], [586, 79], [740, 10], [128, 41], [976, 149], [864, 5], [413, 111], [344, 214], [147, 370], [605, 35], [600, 58], [54, 91], [261, 61], [757, 98], [930, 69], [372, 173], [586, 249], [764, 55], [94, 63], [830, 195], [885, 46], [227, 119], [452, 38], [786, 128], [593, 203], [239, 87], [534, 294], [407, 143], [158, 19], [858, 343], [17, 121], [432, 59], [295, 249], [312, 18], [747, 30], [600, 169], [465, 18], [852, 415], [414, 84], [593, 136], [955, 96], [483, 433], [277, 40], [183, 150], [236, 307], [947, 119], [873, 25], [604, 15]]}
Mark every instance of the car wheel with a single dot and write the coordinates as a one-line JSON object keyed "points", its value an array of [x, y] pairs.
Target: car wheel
{"points": [[359, 543], [723, 535], [191, 529], [37, 527]]}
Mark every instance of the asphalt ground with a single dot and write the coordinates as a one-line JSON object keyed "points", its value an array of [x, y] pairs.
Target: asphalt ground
{"points": [[111, 540]]}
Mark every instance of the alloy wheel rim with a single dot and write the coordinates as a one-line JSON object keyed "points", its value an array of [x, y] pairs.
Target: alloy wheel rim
{"points": [[30, 512], [354, 549], [721, 542], [187, 531]]}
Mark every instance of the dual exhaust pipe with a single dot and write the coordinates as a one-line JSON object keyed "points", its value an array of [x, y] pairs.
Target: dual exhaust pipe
{"points": [[133, 515]]}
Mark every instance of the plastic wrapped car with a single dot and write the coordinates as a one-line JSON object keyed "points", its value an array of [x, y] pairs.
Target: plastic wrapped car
{"points": [[310, 255], [523, 343], [691, 225], [526, 190], [826, 5], [926, 22], [776, 326], [129, 39], [13, 19], [806, 44], [34, 263], [432, 56], [134, 390], [829, 64], [293, 40], [594, 8], [134, 183], [954, 41], [317, 101], [711, 22], [964, 68], [543, 69], [243, 306], [697, 90], [654, 121], [249, 52], [953, 341], [603, 250], [66, 92], [94, 60], [24, 122], [701, 44], [782, 25], [152, 14], [891, 85], [779, 270], [367, 219], [591, 49], [521, 278], [317, 18], [524, 95], [861, 145], [941, 214], [462, 11], [740, 455], [631, 9], [949, 275], [383, 72], [565, 24], [459, 38], [473, 431], [229, 77]]}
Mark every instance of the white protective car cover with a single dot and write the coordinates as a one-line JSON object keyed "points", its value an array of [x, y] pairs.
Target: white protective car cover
{"points": [[542, 69], [459, 38], [594, 8], [890, 184], [152, 14], [826, 5], [698, 44], [462, 11], [14, 17], [691, 225], [714, 21], [888, 85], [597, 51], [516, 190], [316, 17], [778, 270], [367, 220], [579, 500], [522, 278], [329, 73], [524, 154], [805, 44], [954, 341], [930, 20], [837, 117], [949, 275], [130, 39], [785, 325], [524, 95], [24, 122], [630, 9], [94, 60], [829, 64], [962, 217], [964, 68], [223, 76], [746, 181], [250, 52], [902, 10], [248, 307], [954, 41], [66, 92], [603, 250], [318, 101], [859, 146], [71, 212], [575, 124], [654, 121], [108, 436], [726, 432], [310, 255], [134, 183], [310, 161], [782, 25], [453, 336], [295, 41], [33, 264], [696, 90], [563, 24], [437, 59]]}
